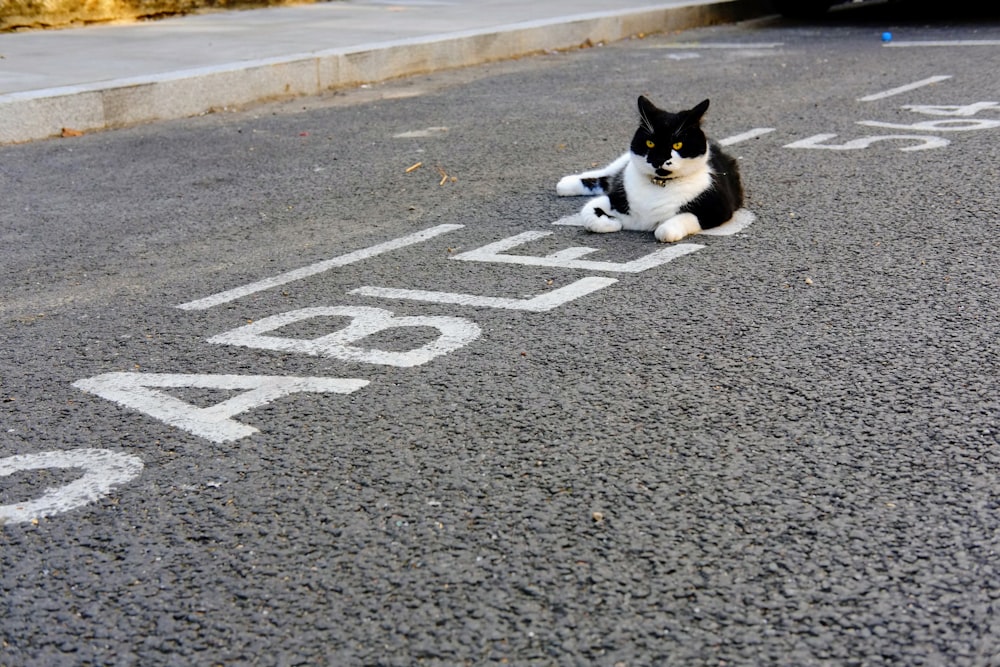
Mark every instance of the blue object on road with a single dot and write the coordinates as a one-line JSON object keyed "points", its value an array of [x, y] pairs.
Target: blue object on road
{"points": [[886, 36]]}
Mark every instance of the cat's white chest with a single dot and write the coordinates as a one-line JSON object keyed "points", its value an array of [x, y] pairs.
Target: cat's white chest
{"points": [[650, 204]]}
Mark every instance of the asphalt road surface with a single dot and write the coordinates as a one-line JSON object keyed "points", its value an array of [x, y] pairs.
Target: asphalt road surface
{"points": [[273, 394]]}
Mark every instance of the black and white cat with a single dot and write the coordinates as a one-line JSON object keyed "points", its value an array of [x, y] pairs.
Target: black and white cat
{"points": [[672, 181]]}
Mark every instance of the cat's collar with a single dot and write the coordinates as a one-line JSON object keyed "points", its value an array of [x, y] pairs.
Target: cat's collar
{"points": [[663, 180]]}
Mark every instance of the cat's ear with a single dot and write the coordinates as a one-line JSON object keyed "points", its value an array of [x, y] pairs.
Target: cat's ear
{"points": [[647, 110], [694, 116]]}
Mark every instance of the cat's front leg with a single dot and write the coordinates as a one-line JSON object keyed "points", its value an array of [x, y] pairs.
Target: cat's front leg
{"points": [[576, 185], [593, 182], [599, 217], [675, 228]]}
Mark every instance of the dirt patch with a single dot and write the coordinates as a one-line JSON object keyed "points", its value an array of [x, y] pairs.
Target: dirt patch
{"points": [[16, 15]]}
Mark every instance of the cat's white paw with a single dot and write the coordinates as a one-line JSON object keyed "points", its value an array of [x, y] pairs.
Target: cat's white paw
{"points": [[677, 228], [571, 186], [597, 218], [603, 225]]}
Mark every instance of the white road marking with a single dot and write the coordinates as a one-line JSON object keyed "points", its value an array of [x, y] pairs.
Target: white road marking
{"points": [[962, 110], [943, 42], [904, 89], [318, 267], [538, 304], [575, 220], [102, 468], [718, 45], [746, 136], [139, 391], [740, 221], [816, 142], [420, 134], [569, 258], [455, 332], [943, 125]]}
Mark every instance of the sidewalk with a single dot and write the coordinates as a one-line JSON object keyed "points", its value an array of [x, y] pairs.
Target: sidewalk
{"points": [[116, 75]]}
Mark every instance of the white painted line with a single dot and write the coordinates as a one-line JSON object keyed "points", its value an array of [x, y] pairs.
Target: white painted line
{"points": [[740, 221], [924, 142], [139, 391], [538, 304], [455, 332], [102, 469], [420, 134], [575, 220], [903, 89], [943, 125], [318, 267], [746, 136], [718, 45], [569, 258], [961, 110], [954, 42]]}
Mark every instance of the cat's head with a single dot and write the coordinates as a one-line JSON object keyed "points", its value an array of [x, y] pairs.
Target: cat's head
{"points": [[669, 145]]}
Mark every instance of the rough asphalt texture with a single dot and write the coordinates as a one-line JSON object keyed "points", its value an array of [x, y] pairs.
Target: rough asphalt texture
{"points": [[779, 450]]}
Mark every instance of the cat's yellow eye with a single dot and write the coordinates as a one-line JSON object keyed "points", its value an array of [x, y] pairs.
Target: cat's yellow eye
{"points": [[650, 144], [678, 145]]}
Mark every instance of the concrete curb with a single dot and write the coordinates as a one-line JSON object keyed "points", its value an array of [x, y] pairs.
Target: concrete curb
{"points": [[27, 116]]}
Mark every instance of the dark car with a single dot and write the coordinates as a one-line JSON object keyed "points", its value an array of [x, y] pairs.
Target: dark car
{"points": [[804, 9]]}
